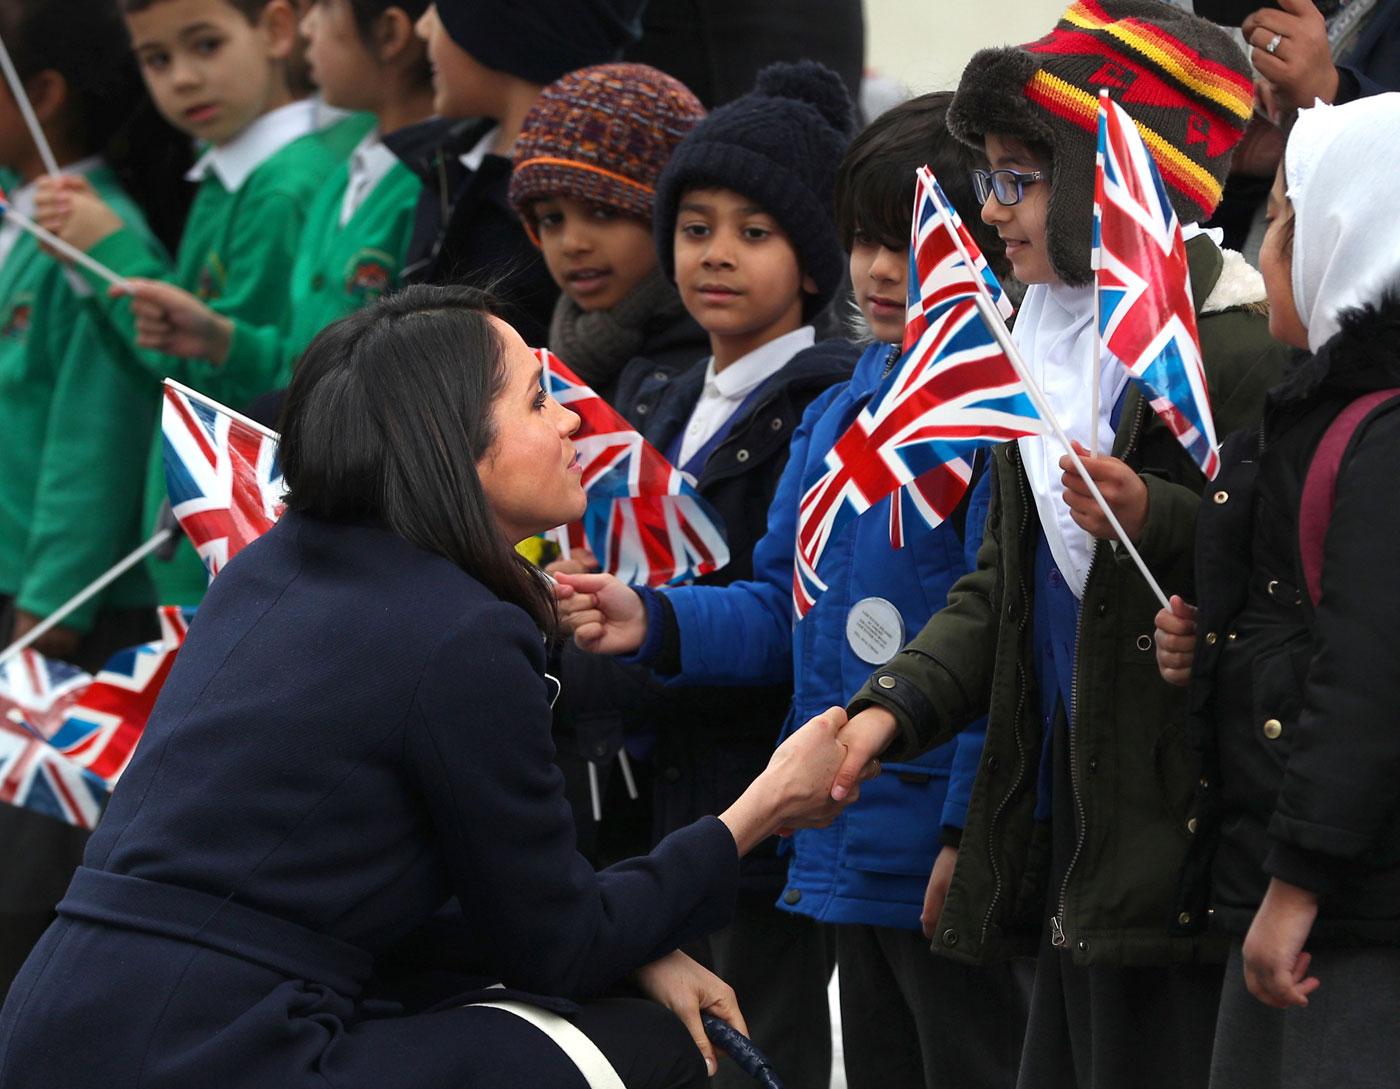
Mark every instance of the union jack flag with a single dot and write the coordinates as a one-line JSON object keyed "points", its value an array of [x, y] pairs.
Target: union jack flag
{"points": [[1146, 316], [645, 521], [222, 473], [35, 775], [952, 390], [40, 690], [102, 729]]}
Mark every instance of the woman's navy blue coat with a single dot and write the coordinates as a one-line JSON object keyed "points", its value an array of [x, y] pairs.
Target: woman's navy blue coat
{"points": [[354, 732]]}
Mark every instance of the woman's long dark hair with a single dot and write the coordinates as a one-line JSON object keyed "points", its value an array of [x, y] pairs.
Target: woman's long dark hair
{"points": [[109, 111], [386, 418]]}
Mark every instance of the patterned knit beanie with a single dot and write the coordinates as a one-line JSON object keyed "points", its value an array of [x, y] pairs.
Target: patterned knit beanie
{"points": [[779, 145], [1183, 81], [540, 40], [601, 135]]}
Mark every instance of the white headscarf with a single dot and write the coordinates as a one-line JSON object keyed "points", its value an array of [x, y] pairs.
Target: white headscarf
{"points": [[1342, 168]]}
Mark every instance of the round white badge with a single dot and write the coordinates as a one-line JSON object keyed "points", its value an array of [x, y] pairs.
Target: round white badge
{"points": [[875, 630]]}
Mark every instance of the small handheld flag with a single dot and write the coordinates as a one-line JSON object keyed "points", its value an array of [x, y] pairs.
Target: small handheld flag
{"points": [[645, 521], [1146, 315]]}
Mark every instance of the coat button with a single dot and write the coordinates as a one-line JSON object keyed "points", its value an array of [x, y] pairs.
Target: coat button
{"points": [[1144, 642], [661, 376], [1233, 636], [1083, 945], [600, 748], [1184, 918], [950, 938], [671, 774], [1273, 728], [1011, 609], [1101, 609], [642, 410], [1211, 638], [885, 681], [777, 424], [792, 896], [1205, 783], [1191, 826], [1221, 497], [993, 763], [742, 456], [1093, 764]]}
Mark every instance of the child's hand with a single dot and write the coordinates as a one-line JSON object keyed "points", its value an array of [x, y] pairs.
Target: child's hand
{"points": [[1275, 966], [57, 642], [582, 562], [1176, 641], [937, 891], [1122, 489], [605, 615], [171, 320], [69, 207]]}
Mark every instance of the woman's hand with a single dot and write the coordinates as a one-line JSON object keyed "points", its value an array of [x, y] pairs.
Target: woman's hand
{"points": [[1123, 490], [793, 791], [1275, 966], [687, 989], [937, 891], [582, 562], [1176, 641], [605, 615], [171, 320], [1300, 66], [68, 206]]}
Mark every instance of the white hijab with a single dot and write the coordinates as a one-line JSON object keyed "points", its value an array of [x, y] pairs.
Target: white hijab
{"points": [[1342, 168]]}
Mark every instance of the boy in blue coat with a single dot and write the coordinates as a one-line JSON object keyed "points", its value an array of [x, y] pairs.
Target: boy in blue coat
{"points": [[909, 1018]]}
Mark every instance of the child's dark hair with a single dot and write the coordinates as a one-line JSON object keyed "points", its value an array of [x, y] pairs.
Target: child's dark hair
{"points": [[108, 111], [366, 12], [389, 411], [250, 9], [875, 183]]}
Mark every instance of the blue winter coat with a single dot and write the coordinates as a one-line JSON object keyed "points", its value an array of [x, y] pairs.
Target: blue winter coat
{"points": [[872, 865]]}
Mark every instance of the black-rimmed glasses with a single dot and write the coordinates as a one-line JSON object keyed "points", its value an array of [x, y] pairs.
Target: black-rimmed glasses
{"points": [[1008, 186]]}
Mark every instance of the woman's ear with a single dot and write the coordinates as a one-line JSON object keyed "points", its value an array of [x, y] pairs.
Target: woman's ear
{"points": [[278, 22]]}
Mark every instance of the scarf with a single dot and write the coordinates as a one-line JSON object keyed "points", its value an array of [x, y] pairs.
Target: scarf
{"points": [[1341, 163], [597, 344]]}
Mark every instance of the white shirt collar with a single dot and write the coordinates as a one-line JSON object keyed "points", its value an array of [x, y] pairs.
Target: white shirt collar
{"points": [[739, 378], [482, 148], [235, 160], [369, 162]]}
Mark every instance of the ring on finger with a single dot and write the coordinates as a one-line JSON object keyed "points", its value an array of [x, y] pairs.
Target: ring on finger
{"points": [[1273, 45]]}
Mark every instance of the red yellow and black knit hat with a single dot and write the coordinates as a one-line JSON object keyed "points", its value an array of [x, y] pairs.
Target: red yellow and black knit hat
{"points": [[1182, 79], [601, 135]]}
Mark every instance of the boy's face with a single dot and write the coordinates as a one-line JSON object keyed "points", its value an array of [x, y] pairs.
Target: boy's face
{"points": [[462, 86], [336, 57], [210, 71], [737, 273], [1022, 225], [596, 255], [879, 278]]}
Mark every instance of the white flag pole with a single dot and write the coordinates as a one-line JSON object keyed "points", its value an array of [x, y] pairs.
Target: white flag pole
{"points": [[26, 109], [1096, 377], [98, 584], [195, 395], [998, 328], [8, 213]]}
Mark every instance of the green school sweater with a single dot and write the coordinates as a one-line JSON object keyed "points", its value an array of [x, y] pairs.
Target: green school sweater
{"points": [[338, 269], [236, 254], [77, 426]]}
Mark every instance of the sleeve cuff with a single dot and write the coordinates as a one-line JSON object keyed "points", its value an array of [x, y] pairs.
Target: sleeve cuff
{"points": [[661, 649], [1307, 869], [902, 699], [951, 836]]}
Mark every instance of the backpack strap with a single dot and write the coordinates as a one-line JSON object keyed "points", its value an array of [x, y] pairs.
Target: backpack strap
{"points": [[1320, 484]]}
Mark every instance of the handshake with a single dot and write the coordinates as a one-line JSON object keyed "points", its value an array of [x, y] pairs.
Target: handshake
{"points": [[814, 774]]}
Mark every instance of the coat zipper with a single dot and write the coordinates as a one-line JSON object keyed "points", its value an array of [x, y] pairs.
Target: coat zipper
{"points": [[1059, 936], [1020, 702]]}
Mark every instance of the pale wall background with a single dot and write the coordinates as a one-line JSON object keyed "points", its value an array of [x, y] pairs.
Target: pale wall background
{"points": [[924, 44]]}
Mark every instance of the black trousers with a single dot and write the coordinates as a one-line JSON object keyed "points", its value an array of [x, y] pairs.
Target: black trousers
{"points": [[779, 965], [646, 1043]]}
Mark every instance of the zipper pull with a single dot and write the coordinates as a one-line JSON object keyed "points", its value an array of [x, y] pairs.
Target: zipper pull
{"points": [[1057, 931]]}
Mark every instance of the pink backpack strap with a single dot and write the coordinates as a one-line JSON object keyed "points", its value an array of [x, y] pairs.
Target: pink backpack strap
{"points": [[1320, 484]]}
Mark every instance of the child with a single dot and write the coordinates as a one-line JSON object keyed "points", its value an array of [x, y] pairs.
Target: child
{"points": [[908, 1018], [744, 223], [70, 479], [586, 165], [216, 70], [490, 62], [1077, 823], [1294, 682], [365, 57]]}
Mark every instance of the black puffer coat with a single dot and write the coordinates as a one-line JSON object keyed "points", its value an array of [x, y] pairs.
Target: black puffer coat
{"points": [[1296, 709]]}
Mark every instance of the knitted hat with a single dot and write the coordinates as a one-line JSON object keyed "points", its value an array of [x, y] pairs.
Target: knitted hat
{"points": [[601, 135], [540, 40], [1183, 81], [779, 145]]}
